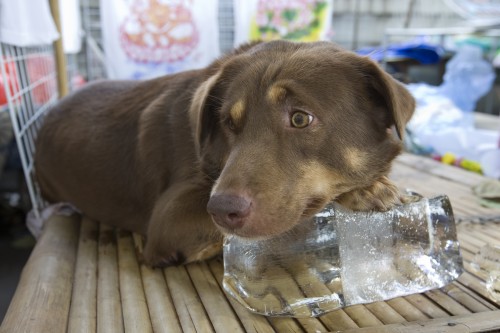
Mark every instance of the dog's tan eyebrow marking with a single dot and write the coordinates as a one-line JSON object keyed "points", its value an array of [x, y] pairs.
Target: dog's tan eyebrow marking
{"points": [[237, 111], [276, 94]]}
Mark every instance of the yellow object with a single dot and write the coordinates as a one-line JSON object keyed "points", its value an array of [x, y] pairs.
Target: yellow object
{"points": [[471, 166], [448, 158], [451, 159]]}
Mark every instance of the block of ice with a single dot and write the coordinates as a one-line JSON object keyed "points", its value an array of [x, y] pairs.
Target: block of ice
{"points": [[342, 258]]}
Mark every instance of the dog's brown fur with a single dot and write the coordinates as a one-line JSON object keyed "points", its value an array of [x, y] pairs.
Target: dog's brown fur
{"points": [[150, 156]]}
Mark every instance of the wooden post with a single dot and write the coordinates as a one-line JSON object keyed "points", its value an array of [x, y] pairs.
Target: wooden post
{"points": [[62, 76]]}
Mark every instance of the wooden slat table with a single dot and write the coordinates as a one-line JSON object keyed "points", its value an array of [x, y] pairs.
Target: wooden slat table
{"points": [[85, 277]]}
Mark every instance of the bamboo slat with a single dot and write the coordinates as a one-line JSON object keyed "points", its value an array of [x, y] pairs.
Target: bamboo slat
{"points": [[283, 324], [135, 310], [42, 299], [486, 239], [476, 322], [407, 310], [492, 232], [426, 306], [469, 242], [457, 292], [478, 297], [361, 316], [338, 320], [385, 313], [218, 309], [160, 304], [161, 307], [83, 311], [472, 282], [190, 310], [311, 325], [447, 303], [109, 310]]}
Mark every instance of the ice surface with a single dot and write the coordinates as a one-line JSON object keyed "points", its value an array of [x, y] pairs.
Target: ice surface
{"points": [[396, 253], [487, 263], [341, 258]]}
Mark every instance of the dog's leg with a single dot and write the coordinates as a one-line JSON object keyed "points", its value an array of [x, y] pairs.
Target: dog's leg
{"points": [[180, 229], [382, 195]]}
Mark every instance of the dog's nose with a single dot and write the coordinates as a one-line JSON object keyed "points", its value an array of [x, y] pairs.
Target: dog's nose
{"points": [[229, 210]]}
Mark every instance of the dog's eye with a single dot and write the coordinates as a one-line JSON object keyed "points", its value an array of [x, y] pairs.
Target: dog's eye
{"points": [[301, 119], [231, 125]]}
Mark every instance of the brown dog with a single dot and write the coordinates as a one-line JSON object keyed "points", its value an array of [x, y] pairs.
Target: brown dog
{"points": [[262, 138]]}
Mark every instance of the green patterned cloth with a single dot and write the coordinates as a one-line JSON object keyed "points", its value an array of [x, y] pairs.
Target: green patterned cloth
{"points": [[489, 192]]}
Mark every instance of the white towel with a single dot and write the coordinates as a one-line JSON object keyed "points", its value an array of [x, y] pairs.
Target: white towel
{"points": [[26, 23], [144, 39], [298, 20], [35, 225]]}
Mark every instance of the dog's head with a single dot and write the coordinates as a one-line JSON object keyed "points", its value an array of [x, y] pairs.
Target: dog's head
{"points": [[284, 128]]}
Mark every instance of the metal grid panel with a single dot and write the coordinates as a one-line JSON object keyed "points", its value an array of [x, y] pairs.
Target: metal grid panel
{"points": [[226, 25], [72, 71], [33, 90], [94, 62]]}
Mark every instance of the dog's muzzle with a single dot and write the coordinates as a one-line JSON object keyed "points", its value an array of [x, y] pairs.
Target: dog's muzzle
{"points": [[228, 210]]}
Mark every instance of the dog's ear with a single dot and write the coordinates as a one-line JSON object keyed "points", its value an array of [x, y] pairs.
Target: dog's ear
{"points": [[392, 95], [208, 97], [204, 109]]}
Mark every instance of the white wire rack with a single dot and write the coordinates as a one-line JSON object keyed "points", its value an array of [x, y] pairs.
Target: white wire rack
{"points": [[226, 25], [31, 72], [93, 56]]}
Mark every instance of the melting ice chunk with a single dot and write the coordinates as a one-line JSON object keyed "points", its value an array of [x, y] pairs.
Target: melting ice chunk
{"points": [[342, 258], [487, 264]]}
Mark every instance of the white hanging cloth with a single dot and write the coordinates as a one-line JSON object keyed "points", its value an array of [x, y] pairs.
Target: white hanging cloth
{"points": [[149, 38], [71, 25], [26, 23]]}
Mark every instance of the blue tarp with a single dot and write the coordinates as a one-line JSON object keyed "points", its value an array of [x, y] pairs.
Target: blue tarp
{"points": [[421, 52]]}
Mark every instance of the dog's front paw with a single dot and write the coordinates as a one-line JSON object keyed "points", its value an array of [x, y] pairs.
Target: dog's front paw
{"points": [[382, 195], [157, 259], [161, 258]]}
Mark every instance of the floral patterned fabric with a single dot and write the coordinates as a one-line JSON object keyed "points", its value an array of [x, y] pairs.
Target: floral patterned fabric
{"points": [[298, 20], [148, 38]]}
